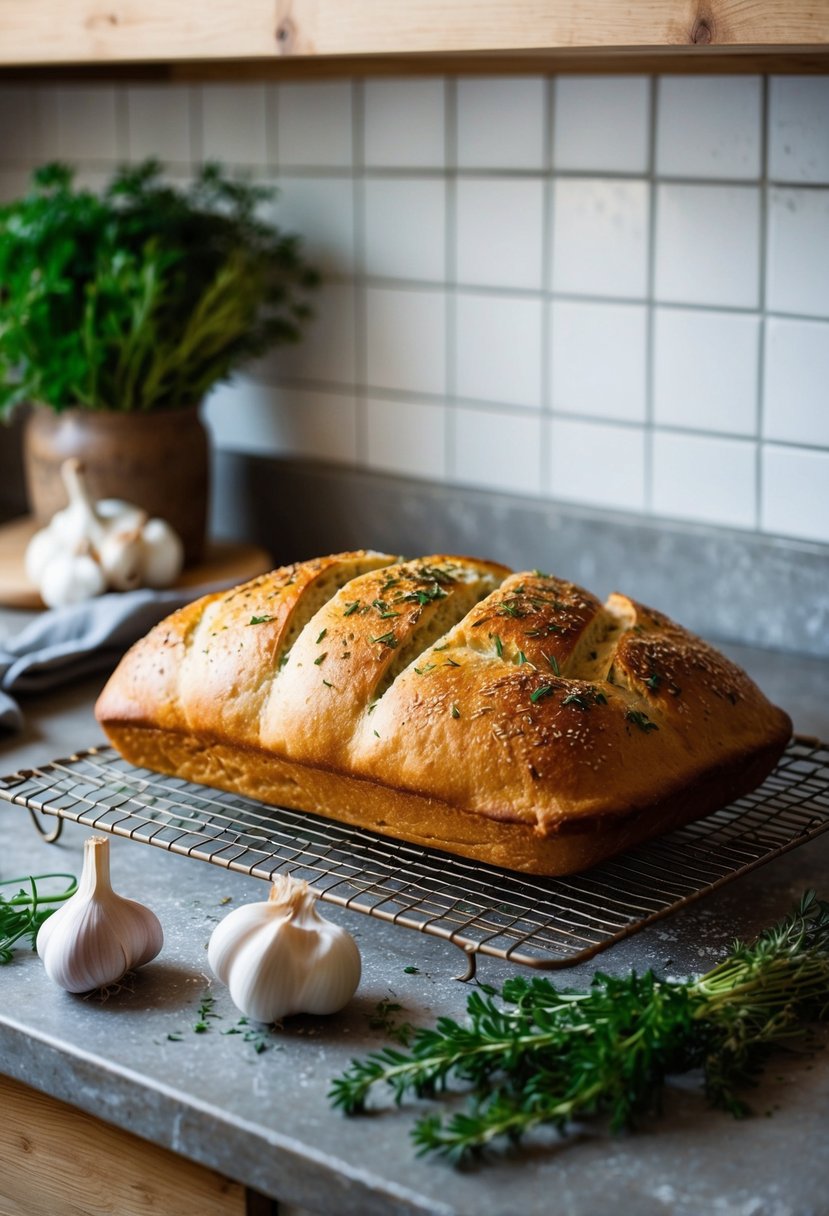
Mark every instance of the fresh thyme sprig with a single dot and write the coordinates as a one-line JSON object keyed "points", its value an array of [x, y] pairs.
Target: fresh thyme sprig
{"points": [[535, 1054], [23, 914]]}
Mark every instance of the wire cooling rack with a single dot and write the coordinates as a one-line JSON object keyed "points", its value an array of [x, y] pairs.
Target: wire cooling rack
{"points": [[539, 922]]}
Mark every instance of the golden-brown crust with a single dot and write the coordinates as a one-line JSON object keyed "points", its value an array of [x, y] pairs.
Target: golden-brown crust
{"points": [[478, 708]]}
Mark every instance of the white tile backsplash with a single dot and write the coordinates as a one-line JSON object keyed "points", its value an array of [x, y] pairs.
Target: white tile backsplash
{"points": [[321, 210], [313, 124], [405, 228], [406, 340], [598, 359], [86, 123], [404, 124], [405, 234], [705, 478], [795, 499], [317, 424], [707, 245], [600, 237], [705, 370], [501, 123], [406, 437], [796, 397], [500, 232], [18, 132], [234, 124], [709, 126], [498, 348], [159, 123], [598, 463], [598, 289], [799, 129], [798, 251], [601, 124], [249, 416], [499, 450], [327, 351]]}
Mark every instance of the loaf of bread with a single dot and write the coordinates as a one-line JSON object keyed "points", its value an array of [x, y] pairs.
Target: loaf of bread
{"points": [[510, 718]]}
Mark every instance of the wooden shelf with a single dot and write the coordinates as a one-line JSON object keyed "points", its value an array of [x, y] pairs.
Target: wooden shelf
{"points": [[323, 37]]}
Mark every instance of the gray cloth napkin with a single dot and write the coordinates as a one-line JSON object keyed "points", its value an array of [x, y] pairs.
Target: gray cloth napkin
{"points": [[67, 644]]}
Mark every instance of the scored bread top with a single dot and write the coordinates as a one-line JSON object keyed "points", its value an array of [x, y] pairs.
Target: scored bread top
{"points": [[515, 696]]}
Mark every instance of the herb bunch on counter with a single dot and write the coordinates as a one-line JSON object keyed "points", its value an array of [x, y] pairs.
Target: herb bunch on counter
{"points": [[535, 1054], [22, 915]]}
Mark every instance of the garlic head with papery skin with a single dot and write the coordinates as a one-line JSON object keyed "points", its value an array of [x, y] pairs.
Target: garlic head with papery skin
{"points": [[97, 936], [71, 578], [129, 549], [280, 957], [163, 553]]}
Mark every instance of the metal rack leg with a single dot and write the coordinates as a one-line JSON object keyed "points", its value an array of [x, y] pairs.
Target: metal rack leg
{"points": [[49, 837], [471, 965]]}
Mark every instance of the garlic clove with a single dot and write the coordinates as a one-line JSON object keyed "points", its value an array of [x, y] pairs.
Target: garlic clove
{"points": [[97, 935], [39, 552], [82, 953], [281, 957], [81, 509], [121, 554], [163, 554], [331, 984], [70, 578], [117, 510], [267, 974]]}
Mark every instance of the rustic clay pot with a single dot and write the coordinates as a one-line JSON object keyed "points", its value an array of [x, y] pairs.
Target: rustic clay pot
{"points": [[159, 461]]}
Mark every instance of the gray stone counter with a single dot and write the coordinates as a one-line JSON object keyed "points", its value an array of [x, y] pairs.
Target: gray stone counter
{"points": [[263, 1118]]}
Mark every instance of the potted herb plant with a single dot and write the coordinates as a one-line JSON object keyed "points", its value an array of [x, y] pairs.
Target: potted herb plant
{"points": [[119, 310]]}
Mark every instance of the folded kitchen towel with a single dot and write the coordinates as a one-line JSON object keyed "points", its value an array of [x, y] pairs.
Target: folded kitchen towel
{"points": [[67, 644]]}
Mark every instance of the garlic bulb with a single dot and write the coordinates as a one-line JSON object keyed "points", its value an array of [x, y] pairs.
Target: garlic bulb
{"points": [[281, 957], [70, 578], [163, 554], [121, 554], [128, 549], [97, 936]]}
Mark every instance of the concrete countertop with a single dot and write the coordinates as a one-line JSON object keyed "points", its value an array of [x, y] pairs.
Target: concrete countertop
{"points": [[264, 1120]]}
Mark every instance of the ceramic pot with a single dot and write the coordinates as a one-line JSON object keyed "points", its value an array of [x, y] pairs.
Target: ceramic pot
{"points": [[158, 461]]}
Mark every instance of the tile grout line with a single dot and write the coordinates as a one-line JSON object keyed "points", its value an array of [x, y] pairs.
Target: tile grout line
{"points": [[272, 129], [196, 126], [360, 278], [649, 436], [122, 123], [390, 283], [546, 454], [762, 303], [417, 398], [450, 126]]}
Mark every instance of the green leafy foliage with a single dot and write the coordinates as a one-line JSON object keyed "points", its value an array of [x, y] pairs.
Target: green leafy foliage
{"points": [[534, 1054], [22, 915], [143, 296]]}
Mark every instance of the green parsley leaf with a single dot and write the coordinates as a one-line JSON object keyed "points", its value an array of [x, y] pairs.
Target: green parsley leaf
{"points": [[546, 690], [386, 639], [641, 720]]}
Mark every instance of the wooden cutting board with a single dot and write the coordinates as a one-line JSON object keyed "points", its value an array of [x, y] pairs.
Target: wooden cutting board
{"points": [[224, 561]]}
